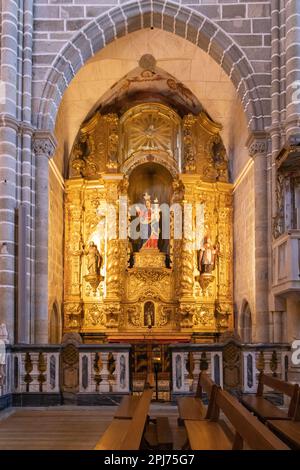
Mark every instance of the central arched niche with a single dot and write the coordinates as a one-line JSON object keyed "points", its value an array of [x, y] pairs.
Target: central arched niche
{"points": [[151, 178], [156, 181]]}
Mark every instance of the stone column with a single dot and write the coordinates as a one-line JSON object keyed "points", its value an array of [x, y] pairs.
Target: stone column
{"points": [[292, 71], [44, 146], [257, 145], [8, 161]]}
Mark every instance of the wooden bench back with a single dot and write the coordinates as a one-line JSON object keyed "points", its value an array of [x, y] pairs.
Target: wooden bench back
{"points": [[247, 427], [135, 432], [210, 387], [297, 408], [204, 383], [291, 390]]}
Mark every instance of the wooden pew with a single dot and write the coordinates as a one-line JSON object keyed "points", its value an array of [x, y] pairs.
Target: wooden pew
{"points": [[158, 434], [192, 408], [129, 403], [210, 434], [127, 407], [265, 410], [127, 434], [288, 430]]}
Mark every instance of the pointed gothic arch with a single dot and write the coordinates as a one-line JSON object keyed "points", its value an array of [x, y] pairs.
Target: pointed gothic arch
{"points": [[160, 14]]}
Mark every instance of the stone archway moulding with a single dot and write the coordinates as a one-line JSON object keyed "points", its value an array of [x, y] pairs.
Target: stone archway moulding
{"points": [[170, 17]]}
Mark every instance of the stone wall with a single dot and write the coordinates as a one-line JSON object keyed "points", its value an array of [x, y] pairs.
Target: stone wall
{"points": [[244, 244]]}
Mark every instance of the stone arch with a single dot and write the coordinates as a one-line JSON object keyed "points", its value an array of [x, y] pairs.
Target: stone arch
{"points": [[55, 325], [246, 322], [130, 17]]}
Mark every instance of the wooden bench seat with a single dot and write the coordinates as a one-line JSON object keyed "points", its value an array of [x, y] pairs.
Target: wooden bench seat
{"points": [[127, 407], [158, 434], [210, 434], [264, 409], [206, 435], [288, 430], [192, 408], [127, 434], [114, 435]]}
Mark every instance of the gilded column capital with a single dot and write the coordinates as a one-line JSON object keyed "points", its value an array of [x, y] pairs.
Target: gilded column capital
{"points": [[44, 144]]}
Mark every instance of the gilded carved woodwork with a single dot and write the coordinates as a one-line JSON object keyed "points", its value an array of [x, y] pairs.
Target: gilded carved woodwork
{"points": [[96, 147], [111, 299], [149, 129]]}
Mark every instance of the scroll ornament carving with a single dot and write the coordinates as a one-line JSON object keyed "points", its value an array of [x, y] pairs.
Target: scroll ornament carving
{"points": [[95, 316], [113, 142], [134, 316], [165, 315], [152, 275], [112, 312], [187, 279], [73, 315], [83, 156], [218, 162], [189, 150], [221, 316], [185, 315], [202, 317], [123, 186]]}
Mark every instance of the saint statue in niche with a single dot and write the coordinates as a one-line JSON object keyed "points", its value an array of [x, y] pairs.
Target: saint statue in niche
{"points": [[149, 314], [149, 222], [207, 257], [94, 259]]}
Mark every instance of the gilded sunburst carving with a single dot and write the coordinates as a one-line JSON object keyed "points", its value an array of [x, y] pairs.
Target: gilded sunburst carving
{"points": [[150, 131]]}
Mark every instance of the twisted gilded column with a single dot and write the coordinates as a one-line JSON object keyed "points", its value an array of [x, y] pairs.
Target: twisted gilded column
{"points": [[43, 146], [257, 145], [113, 262]]}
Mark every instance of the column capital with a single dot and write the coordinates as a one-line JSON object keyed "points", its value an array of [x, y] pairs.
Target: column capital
{"points": [[44, 144], [257, 144]]}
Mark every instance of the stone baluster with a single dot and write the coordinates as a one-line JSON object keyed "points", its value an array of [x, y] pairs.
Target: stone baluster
{"points": [[104, 384], [196, 371], [187, 383]]}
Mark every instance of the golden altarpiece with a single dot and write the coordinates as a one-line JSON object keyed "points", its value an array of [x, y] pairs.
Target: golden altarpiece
{"points": [[117, 292]]}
